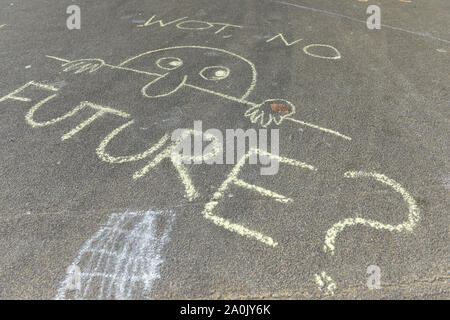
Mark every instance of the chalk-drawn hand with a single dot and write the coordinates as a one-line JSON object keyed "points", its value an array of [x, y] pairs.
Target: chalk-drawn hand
{"points": [[79, 66], [272, 110]]}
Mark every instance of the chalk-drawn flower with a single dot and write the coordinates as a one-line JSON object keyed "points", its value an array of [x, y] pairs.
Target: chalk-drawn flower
{"points": [[89, 65], [272, 110]]}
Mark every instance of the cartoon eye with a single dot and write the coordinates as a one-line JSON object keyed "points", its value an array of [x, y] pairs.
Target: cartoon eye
{"points": [[169, 63], [215, 73]]}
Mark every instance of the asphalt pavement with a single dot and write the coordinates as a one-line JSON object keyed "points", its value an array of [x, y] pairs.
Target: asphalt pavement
{"points": [[93, 206]]}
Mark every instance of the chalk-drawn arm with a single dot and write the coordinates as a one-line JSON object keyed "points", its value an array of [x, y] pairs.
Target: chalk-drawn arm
{"points": [[82, 65], [276, 110]]}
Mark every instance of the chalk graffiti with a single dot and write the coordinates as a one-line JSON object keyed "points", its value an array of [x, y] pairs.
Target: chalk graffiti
{"points": [[198, 25], [183, 24], [332, 233], [100, 110], [282, 38], [122, 259], [413, 215], [261, 113], [232, 179], [166, 153], [325, 283], [121, 266], [190, 190]]}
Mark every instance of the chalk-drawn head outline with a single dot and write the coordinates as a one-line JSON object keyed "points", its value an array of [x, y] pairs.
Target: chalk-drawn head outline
{"points": [[264, 113], [221, 71]]}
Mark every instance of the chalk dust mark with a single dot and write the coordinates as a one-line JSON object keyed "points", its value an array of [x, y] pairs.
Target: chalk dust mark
{"points": [[122, 260]]}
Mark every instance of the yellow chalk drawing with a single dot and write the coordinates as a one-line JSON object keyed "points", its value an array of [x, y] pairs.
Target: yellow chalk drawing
{"points": [[181, 23], [324, 279], [306, 50], [150, 22], [190, 190], [280, 35], [220, 72], [92, 65], [104, 156], [100, 111], [169, 63], [148, 85], [232, 179], [29, 117], [13, 95], [413, 215], [257, 112], [168, 153], [252, 66], [225, 25], [171, 153], [320, 128], [82, 65]]}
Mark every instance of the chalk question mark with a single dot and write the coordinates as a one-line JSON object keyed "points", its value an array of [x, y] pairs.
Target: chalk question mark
{"points": [[332, 233], [408, 225]]}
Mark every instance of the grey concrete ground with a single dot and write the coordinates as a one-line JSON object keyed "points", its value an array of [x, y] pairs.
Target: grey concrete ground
{"points": [[65, 203]]}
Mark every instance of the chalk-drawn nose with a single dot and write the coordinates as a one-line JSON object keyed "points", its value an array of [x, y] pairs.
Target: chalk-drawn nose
{"points": [[163, 86]]}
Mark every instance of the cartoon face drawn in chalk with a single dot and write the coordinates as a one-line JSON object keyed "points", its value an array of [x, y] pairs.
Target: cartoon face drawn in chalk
{"points": [[211, 70], [214, 71]]}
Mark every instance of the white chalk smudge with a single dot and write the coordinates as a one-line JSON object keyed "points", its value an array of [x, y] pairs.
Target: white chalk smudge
{"points": [[122, 259]]}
